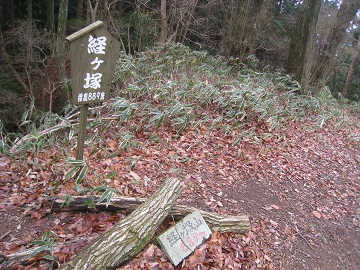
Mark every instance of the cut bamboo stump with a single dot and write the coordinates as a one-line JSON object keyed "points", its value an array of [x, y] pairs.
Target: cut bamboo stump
{"points": [[235, 224], [128, 237]]}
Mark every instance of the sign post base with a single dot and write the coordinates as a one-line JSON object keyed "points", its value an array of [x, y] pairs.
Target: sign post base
{"points": [[82, 131]]}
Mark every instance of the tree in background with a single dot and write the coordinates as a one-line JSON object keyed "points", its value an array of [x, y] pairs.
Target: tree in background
{"points": [[301, 55], [60, 49], [50, 19], [164, 29], [326, 59], [241, 31], [345, 91], [240, 28]]}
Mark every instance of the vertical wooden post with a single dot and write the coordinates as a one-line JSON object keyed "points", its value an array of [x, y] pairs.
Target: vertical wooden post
{"points": [[82, 131]]}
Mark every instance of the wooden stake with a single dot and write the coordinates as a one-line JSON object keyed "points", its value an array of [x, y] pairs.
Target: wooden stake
{"points": [[82, 131]]}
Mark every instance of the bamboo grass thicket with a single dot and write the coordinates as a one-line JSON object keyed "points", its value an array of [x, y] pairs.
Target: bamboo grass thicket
{"points": [[176, 86]]}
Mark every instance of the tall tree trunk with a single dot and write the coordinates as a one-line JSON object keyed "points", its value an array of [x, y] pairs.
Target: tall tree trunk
{"points": [[164, 30], [351, 70], [60, 47], [325, 63], [261, 16], [79, 9], [302, 42], [105, 13], [50, 17], [29, 47], [92, 10]]}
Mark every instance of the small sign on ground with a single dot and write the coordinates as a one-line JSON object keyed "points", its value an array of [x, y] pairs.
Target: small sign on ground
{"points": [[180, 240]]}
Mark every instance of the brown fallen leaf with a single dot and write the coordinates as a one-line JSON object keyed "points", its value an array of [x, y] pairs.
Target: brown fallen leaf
{"points": [[197, 258], [316, 214], [149, 253], [135, 175], [275, 206]]}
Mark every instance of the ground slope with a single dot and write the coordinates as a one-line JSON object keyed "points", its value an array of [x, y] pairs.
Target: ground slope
{"points": [[299, 185]]}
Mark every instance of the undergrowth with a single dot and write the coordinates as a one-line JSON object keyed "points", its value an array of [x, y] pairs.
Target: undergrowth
{"points": [[175, 86]]}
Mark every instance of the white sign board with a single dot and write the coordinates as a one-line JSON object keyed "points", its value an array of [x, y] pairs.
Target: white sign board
{"points": [[180, 240]]}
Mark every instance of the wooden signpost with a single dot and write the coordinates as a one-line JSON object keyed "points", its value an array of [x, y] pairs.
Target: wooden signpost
{"points": [[93, 54]]}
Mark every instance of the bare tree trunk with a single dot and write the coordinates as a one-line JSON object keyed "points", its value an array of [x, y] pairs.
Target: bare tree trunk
{"points": [[92, 10], [164, 30], [127, 238], [29, 47], [105, 17], [50, 18], [302, 42], [79, 9], [325, 63], [351, 70], [60, 47], [261, 17]]}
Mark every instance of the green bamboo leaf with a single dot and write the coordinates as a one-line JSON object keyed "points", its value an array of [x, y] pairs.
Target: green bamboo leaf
{"points": [[76, 162], [66, 201], [236, 141], [38, 242], [79, 189], [81, 174], [48, 257], [72, 172], [108, 194], [113, 154], [110, 175], [104, 195], [71, 134], [38, 250], [100, 188], [105, 126]]}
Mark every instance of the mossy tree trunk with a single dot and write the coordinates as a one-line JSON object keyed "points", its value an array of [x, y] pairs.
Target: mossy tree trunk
{"points": [[127, 238]]}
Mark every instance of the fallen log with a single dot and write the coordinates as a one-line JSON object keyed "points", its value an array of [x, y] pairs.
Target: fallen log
{"points": [[128, 237], [236, 224]]}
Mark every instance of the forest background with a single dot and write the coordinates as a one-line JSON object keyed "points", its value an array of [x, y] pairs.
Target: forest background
{"points": [[253, 104], [314, 41]]}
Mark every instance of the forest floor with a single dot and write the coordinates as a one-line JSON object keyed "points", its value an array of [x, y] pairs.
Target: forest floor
{"points": [[299, 185]]}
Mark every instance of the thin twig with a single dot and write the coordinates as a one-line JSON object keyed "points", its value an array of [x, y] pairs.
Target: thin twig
{"points": [[307, 242], [4, 235]]}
